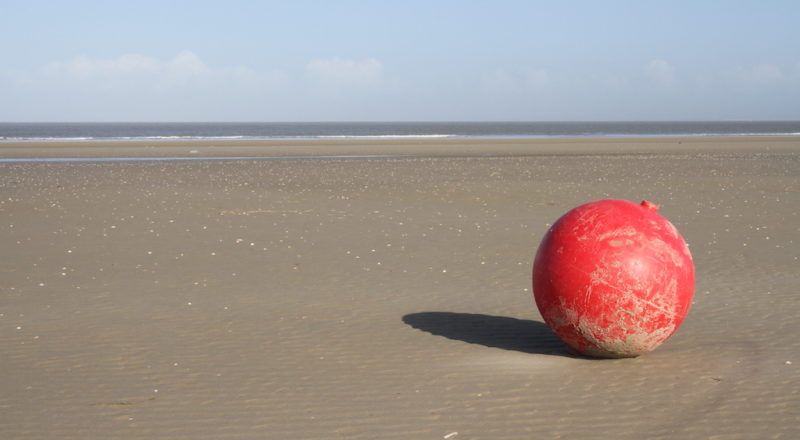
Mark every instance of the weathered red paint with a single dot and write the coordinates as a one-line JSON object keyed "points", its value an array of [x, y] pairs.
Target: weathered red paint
{"points": [[613, 278]]}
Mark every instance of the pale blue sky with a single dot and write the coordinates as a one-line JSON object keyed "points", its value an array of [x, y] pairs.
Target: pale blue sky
{"points": [[388, 60]]}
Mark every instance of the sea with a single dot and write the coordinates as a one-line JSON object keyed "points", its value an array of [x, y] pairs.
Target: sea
{"points": [[203, 131]]}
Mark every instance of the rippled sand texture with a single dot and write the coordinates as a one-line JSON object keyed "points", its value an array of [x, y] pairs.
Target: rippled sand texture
{"points": [[381, 298]]}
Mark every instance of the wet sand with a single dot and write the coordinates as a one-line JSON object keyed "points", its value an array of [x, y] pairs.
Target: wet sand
{"points": [[381, 296]]}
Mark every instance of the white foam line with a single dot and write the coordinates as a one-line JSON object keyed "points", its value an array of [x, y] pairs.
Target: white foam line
{"points": [[383, 136], [186, 158]]}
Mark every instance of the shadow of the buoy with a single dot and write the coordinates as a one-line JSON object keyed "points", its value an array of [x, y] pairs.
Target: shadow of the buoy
{"points": [[491, 331]]}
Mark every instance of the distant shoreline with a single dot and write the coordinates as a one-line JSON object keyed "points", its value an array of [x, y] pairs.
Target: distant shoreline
{"points": [[380, 131], [415, 147]]}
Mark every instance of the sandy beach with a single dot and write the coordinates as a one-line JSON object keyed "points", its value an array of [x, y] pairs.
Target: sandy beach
{"points": [[380, 290]]}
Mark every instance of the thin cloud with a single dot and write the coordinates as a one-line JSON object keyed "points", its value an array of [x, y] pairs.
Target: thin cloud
{"points": [[782, 82], [139, 87], [184, 68], [84, 67], [145, 73], [762, 73], [660, 71], [185, 87], [536, 78], [504, 81], [341, 71], [499, 81]]}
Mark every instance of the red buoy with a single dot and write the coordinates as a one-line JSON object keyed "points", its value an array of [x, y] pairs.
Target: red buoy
{"points": [[613, 278]]}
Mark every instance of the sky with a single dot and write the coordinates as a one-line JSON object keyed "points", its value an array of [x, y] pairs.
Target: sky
{"points": [[429, 60]]}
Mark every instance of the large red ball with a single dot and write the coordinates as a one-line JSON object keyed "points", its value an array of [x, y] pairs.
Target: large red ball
{"points": [[613, 278]]}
